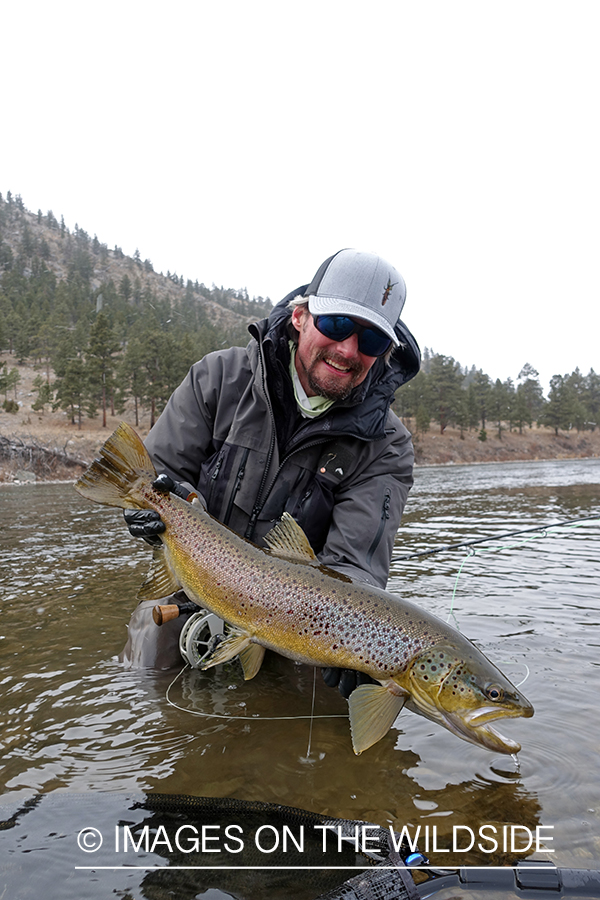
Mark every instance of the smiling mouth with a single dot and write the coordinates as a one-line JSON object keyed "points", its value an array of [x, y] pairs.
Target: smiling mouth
{"points": [[339, 367]]}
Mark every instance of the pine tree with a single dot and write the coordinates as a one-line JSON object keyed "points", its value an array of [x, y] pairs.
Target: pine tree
{"points": [[100, 362], [531, 391], [592, 399], [482, 388], [444, 383], [71, 390], [558, 412], [132, 374], [44, 393], [499, 404]]}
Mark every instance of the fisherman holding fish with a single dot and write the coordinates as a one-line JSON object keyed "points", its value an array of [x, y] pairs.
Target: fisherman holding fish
{"points": [[299, 421], [293, 448]]}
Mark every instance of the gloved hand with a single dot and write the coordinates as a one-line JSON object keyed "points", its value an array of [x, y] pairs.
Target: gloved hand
{"points": [[167, 485], [345, 679], [147, 523]]}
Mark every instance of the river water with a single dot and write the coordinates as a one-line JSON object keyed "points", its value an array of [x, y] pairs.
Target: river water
{"points": [[83, 739]]}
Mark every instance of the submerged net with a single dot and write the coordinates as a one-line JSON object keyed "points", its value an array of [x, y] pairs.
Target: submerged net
{"points": [[377, 884], [272, 852], [40, 855]]}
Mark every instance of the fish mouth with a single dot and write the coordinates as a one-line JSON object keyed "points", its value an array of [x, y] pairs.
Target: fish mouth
{"points": [[478, 717], [475, 726]]}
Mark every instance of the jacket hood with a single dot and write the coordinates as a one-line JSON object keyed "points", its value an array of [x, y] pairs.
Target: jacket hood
{"points": [[365, 410]]}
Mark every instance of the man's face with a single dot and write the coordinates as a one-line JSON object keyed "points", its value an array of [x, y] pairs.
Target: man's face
{"points": [[327, 368]]}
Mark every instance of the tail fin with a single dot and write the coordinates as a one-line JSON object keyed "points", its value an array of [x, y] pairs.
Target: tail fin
{"points": [[123, 463]]}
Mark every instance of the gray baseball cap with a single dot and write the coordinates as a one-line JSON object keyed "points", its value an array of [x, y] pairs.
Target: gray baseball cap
{"points": [[362, 285]]}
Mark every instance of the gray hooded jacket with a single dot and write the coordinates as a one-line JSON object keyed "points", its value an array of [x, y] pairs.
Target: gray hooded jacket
{"points": [[232, 432]]}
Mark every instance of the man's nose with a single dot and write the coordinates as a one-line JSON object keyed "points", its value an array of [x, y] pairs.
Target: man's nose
{"points": [[348, 347]]}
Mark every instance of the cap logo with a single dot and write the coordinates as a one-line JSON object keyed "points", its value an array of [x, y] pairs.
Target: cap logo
{"points": [[388, 291]]}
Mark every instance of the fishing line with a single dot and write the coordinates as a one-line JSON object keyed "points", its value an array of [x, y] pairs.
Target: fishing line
{"points": [[251, 717], [471, 553], [312, 709], [540, 531], [542, 528]]}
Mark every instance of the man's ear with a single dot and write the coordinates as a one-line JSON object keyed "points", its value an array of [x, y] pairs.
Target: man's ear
{"points": [[298, 315]]}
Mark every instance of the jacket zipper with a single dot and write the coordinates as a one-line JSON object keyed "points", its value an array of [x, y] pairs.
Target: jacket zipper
{"points": [[237, 485], [249, 534], [214, 476], [385, 514]]}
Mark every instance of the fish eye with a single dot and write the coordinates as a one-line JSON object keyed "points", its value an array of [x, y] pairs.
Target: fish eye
{"points": [[494, 692]]}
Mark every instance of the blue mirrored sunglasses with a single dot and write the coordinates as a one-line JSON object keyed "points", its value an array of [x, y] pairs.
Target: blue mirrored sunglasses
{"points": [[371, 341]]}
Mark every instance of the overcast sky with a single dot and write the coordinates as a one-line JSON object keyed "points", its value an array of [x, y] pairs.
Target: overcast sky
{"points": [[241, 143]]}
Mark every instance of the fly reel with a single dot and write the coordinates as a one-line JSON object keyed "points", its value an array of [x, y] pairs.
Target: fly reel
{"points": [[196, 638]]}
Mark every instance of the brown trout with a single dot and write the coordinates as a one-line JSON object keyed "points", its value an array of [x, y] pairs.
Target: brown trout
{"points": [[282, 599]]}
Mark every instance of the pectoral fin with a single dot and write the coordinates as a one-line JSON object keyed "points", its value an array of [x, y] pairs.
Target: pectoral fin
{"points": [[237, 643], [373, 710], [160, 580]]}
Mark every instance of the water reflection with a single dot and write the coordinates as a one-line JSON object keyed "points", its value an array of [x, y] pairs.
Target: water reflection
{"points": [[74, 720]]}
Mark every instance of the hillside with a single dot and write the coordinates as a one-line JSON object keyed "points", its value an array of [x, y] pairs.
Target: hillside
{"points": [[31, 243], [105, 329]]}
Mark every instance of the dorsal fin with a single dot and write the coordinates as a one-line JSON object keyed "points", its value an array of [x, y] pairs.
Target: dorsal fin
{"points": [[287, 539]]}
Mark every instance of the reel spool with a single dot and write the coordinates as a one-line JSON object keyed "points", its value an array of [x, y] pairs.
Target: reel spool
{"points": [[196, 636]]}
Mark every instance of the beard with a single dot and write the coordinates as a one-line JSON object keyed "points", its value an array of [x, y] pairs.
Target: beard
{"points": [[329, 386]]}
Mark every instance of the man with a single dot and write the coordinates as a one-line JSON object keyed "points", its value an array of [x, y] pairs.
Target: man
{"points": [[297, 421]]}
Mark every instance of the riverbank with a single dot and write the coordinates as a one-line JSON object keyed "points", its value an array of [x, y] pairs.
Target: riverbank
{"points": [[535, 443], [46, 446]]}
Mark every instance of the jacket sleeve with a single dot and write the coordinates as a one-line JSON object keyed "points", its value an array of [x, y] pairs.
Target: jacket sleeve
{"points": [[187, 431], [368, 510]]}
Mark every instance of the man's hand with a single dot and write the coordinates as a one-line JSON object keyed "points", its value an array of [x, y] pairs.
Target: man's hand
{"points": [[147, 523], [166, 485], [144, 523], [346, 680]]}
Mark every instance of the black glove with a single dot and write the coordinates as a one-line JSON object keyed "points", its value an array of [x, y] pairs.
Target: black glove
{"points": [[147, 523], [166, 485], [144, 523], [345, 679]]}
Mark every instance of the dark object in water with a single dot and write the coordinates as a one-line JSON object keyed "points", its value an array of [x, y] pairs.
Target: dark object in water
{"points": [[250, 851], [41, 856]]}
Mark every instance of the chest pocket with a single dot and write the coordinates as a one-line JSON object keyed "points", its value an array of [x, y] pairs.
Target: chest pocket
{"points": [[312, 507]]}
